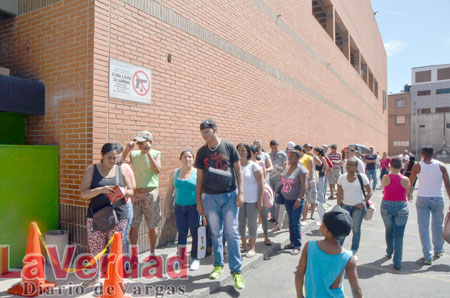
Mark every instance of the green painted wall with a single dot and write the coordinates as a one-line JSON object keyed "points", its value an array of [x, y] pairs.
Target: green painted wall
{"points": [[29, 184], [12, 128]]}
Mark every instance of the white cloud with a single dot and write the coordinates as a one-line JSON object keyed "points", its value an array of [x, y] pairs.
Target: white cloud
{"points": [[394, 47]]}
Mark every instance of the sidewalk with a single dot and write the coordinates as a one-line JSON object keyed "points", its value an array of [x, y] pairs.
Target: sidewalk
{"points": [[197, 285]]}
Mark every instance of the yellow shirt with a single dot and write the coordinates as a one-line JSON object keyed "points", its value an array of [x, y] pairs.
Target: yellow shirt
{"points": [[305, 161]]}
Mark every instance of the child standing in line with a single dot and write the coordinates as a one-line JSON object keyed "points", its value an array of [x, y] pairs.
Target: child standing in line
{"points": [[314, 270]]}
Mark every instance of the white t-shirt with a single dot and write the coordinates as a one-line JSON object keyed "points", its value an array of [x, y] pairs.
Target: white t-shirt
{"points": [[250, 183], [353, 194], [361, 166]]}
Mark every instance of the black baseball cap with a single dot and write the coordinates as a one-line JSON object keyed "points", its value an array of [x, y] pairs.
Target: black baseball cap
{"points": [[208, 123], [338, 221]]}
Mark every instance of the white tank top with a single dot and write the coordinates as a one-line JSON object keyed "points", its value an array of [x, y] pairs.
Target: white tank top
{"points": [[430, 180]]}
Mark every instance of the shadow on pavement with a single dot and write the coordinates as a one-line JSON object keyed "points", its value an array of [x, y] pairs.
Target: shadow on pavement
{"points": [[230, 290]]}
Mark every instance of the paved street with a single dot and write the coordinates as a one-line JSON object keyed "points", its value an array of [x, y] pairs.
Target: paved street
{"points": [[275, 277]]}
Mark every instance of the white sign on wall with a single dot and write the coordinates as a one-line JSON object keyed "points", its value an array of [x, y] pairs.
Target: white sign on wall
{"points": [[129, 82], [401, 143]]}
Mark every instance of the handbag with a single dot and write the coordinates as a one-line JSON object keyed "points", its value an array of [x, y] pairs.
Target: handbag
{"points": [[279, 198], [446, 232], [216, 179], [370, 206], [106, 219], [267, 195]]}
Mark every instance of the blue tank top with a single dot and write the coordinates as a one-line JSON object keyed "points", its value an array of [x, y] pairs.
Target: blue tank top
{"points": [[185, 192], [322, 270]]}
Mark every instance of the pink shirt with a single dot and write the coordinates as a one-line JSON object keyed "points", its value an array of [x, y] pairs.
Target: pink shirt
{"points": [[395, 191], [385, 163]]}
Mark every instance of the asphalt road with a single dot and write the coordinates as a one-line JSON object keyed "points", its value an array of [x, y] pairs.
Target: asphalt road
{"points": [[275, 277]]}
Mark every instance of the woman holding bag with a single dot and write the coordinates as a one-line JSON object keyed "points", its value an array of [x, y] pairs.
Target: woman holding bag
{"points": [[105, 184], [394, 210], [183, 182]]}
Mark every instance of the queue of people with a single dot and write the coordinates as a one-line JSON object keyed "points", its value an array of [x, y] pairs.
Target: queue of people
{"points": [[223, 185]]}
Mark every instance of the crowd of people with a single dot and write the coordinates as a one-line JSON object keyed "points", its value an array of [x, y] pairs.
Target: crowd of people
{"points": [[223, 186]]}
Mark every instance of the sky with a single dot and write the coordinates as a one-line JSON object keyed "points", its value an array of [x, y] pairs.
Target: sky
{"points": [[415, 33]]}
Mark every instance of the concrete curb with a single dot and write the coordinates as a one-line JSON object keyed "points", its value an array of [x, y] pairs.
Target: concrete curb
{"points": [[255, 262]]}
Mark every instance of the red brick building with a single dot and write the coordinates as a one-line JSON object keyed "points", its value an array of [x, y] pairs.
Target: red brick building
{"points": [[399, 111], [307, 71]]}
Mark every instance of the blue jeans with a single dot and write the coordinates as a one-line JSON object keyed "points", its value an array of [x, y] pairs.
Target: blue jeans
{"points": [[126, 240], [383, 172], [373, 174], [187, 218], [395, 216], [294, 215], [424, 206], [357, 216], [222, 215]]}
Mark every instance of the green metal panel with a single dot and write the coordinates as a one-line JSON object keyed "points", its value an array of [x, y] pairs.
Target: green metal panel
{"points": [[12, 128], [29, 184]]}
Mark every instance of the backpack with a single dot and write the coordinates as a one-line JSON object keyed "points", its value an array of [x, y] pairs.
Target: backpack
{"points": [[267, 196]]}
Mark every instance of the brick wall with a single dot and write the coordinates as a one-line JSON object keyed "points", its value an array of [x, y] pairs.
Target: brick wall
{"points": [[399, 132], [260, 75], [53, 43]]}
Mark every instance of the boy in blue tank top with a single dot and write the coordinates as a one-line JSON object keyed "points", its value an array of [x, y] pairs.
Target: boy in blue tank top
{"points": [[323, 263]]}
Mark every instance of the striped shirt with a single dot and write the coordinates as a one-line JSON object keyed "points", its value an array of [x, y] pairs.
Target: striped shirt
{"points": [[335, 159]]}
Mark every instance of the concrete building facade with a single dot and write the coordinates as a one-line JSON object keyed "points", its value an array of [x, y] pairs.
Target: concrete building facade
{"points": [[430, 105], [307, 71]]}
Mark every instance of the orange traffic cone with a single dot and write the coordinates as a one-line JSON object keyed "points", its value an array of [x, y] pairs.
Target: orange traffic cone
{"points": [[113, 286], [33, 274]]}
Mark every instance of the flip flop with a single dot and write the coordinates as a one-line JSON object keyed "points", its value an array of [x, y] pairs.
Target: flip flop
{"points": [[276, 229], [268, 242], [250, 254], [289, 246]]}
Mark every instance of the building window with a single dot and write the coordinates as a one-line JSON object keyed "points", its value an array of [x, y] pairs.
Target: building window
{"points": [[400, 119], [400, 103], [401, 143], [443, 110], [443, 74], [423, 76], [384, 100], [375, 88], [322, 10], [423, 111], [443, 91], [423, 92]]}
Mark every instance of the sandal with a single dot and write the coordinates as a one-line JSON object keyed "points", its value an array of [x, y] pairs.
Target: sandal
{"points": [[268, 242], [289, 246], [251, 254], [276, 229]]}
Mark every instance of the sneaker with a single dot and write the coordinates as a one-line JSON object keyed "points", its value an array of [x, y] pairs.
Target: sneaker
{"points": [[303, 223], [388, 256], [437, 255], [239, 281], [426, 261], [217, 272], [195, 265], [313, 217], [295, 251]]}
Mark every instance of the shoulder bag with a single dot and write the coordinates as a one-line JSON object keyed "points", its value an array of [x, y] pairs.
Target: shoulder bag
{"points": [[370, 206]]}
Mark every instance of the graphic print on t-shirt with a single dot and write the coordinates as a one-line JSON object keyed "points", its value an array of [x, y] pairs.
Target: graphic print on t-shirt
{"points": [[219, 161], [287, 184]]}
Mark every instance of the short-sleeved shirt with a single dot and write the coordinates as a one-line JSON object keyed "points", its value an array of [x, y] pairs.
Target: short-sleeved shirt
{"points": [[278, 159], [222, 158], [291, 185], [335, 159], [353, 194], [143, 172], [371, 166], [263, 157], [305, 162], [385, 163], [250, 182]]}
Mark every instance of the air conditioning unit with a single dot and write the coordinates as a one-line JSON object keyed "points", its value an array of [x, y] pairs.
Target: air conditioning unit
{"points": [[9, 7]]}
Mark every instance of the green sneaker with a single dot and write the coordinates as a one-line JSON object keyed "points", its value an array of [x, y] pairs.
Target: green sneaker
{"points": [[217, 272], [239, 281]]}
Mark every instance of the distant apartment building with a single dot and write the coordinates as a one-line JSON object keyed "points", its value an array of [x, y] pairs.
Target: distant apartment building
{"points": [[399, 121], [430, 108]]}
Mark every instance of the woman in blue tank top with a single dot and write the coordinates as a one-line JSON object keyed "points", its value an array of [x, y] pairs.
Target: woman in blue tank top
{"points": [[183, 183]]}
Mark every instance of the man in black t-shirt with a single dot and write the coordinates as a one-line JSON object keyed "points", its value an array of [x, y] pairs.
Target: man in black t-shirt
{"points": [[220, 193], [371, 167]]}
